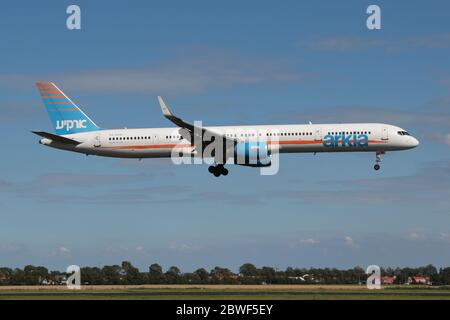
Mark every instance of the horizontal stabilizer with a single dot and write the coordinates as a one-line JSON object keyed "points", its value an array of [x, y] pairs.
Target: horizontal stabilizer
{"points": [[56, 138]]}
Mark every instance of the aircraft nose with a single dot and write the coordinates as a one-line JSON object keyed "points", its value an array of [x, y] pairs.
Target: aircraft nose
{"points": [[414, 142]]}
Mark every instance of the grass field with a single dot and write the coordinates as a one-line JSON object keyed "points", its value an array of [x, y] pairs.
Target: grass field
{"points": [[221, 292]]}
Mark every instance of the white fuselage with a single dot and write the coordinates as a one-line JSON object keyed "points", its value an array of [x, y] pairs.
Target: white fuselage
{"points": [[161, 142]]}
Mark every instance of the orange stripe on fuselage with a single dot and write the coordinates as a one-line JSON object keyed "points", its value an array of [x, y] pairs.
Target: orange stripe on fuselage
{"points": [[153, 146], [282, 142], [295, 142]]}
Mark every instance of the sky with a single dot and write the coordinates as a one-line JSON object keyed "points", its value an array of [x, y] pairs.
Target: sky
{"points": [[227, 63]]}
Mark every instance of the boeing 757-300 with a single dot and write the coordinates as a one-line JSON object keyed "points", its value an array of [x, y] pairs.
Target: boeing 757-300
{"points": [[247, 145]]}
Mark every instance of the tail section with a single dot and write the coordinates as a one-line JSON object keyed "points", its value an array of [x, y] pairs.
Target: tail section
{"points": [[65, 116]]}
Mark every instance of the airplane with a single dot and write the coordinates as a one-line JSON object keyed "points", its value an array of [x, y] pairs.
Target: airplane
{"points": [[252, 146]]}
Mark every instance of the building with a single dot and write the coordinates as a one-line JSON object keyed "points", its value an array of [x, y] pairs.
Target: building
{"points": [[4, 277], [388, 280], [419, 280]]}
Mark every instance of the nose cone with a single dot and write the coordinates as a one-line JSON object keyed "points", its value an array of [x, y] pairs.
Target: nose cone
{"points": [[414, 142]]}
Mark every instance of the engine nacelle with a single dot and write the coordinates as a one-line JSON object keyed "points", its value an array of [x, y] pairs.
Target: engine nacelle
{"points": [[252, 154]]}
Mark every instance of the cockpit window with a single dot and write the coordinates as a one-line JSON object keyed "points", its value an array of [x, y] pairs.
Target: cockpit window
{"points": [[403, 133]]}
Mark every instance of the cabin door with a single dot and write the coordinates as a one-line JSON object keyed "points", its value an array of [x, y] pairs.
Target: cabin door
{"points": [[384, 134]]}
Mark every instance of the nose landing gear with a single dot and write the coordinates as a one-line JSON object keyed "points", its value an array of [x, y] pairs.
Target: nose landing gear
{"points": [[378, 160], [218, 170]]}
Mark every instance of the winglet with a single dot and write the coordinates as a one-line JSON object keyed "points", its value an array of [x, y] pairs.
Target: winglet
{"points": [[165, 110]]}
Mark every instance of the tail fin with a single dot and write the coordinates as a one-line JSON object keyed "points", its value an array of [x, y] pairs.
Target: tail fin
{"points": [[65, 116]]}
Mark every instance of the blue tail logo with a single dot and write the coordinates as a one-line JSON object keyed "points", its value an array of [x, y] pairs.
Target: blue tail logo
{"points": [[65, 116]]}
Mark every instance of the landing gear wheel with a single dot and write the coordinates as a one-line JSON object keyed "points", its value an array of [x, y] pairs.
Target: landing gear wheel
{"points": [[218, 170], [378, 160]]}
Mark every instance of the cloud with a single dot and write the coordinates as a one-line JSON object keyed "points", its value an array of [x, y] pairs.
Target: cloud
{"points": [[58, 180], [349, 241], [447, 140], [6, 186], [182, 247], [430, 183], [64, 250], [11, 248], [358, 43], [18, 111], [191, 73], [43, 184], [445, 236], [117, 189], [310, 241], [61, 252], [376, 114], [416, 236]]}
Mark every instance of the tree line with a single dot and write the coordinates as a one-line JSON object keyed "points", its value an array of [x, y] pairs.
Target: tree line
{"points": [[127, 274]]}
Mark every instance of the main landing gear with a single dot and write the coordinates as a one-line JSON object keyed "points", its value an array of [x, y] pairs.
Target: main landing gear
{"points": [[378, 160], [218, 170]]}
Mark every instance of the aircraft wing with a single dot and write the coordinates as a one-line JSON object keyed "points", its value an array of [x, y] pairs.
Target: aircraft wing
{"points": [[55, 137], [192, 128]]}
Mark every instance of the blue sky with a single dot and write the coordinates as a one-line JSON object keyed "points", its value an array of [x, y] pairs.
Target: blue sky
{"points": [[227, 63]]}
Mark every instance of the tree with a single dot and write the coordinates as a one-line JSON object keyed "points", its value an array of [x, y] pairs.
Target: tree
{"points": [[222, 275], [112, 274], [155, 269], [429, 271], [34, 275], [92, 276], [250, 274], [269, 274], [191, 278], [131, 275], [173, 275], [203, 275], [155, 273], [6, 275], [248, 270]]}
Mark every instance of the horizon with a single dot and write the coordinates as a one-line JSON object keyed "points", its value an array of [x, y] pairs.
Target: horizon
{"points": [[225, 63]]}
